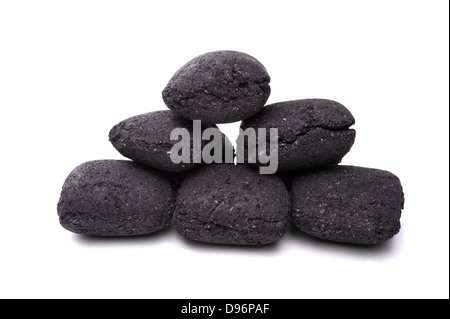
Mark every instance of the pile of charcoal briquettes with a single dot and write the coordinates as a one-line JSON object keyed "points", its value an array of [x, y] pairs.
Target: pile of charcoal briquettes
{"points": [[225, 201]]}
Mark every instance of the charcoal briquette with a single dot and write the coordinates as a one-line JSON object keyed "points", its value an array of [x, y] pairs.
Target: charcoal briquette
{"points": [[347, 204], [232, 204], [312, 133], [115, 198], [146, 139], [218, 87]]}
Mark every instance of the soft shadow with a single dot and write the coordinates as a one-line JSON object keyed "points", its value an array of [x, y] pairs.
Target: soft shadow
{"points": [[293, 237], [159, 236], [207, 247], [382, 249]]}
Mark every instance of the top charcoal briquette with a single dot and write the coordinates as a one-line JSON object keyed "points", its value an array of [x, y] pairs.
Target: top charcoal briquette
{"points": [[218, 87]]}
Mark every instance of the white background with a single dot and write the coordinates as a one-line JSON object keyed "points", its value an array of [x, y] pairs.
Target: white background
{"points": [[70, 70]]}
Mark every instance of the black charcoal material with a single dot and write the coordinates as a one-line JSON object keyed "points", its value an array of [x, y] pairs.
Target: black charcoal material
{"points": [[115, 198], [312, 132], [288, 176], [348, 204], [146, 139], [175, 179], [218, 87], [232, 204]]}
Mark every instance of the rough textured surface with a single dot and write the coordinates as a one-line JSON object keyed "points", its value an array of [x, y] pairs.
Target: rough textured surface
{"points": [[218, 87], [288, 176], [348, 204], [232, 204], [146, 139], [312, 132], [115, 198]]}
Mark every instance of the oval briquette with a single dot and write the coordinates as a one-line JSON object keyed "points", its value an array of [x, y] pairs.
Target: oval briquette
{"points": [[218, 87], [348, 204], [312, 132], [115, 198], [232, 204], [146, 139]]}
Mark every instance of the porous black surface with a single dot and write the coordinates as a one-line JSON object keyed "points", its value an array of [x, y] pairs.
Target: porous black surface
{"points": [[312, 132], [218, 87], [232, 204], [348, 204], [146, 139], [115, 198], [288, 176]]}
